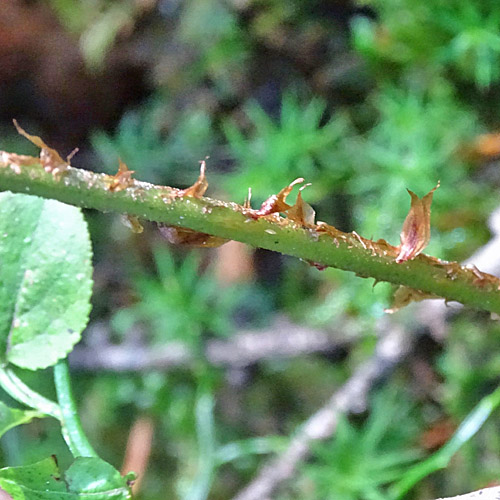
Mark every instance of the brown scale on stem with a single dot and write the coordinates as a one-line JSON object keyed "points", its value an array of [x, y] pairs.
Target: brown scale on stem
{"points": [[301, 212], [119, 182], [416, 231], [358, 237], [49, 158], [198, 189], [405, 295], [122, 179], [187, 237], [275, 204]]}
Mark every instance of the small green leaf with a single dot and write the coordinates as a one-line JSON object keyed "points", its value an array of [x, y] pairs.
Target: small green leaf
{"points": [[10, 417], [86, 479], [94, 478], [45, 279]]}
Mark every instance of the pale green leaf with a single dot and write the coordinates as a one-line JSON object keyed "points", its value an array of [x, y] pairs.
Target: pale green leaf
{"points": [[45, 279]]}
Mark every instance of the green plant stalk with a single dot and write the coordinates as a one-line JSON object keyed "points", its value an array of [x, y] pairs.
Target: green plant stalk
{"points": [[19, 391], [348, 252], [440, 460], [72, 430]]}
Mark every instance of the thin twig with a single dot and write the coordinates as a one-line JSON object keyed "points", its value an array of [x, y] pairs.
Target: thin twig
{"points": [[281, 339], [18, 390]]}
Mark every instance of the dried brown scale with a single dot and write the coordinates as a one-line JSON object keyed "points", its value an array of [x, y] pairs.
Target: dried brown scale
{"points": [[187, 237], [182, 236], [274, 204], [301, 212], [358, 237], [372, 248], [317, 265], [122, 179], [49, 158], [482, 276], [132, 223], [416, 231], [405, 295], [198, 189], [452, 272]]}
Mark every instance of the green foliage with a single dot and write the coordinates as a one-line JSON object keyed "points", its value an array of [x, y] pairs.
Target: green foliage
{"points": [[470, 425], [469, 366], [434, 37], [422, 85], [45, 284], [359, 462], [94, 478], [211, 27], [33, 482], [180, 302], [87, 478], [413, 145], [210, 455], [273, 153], [98, 23], [155, 141]]}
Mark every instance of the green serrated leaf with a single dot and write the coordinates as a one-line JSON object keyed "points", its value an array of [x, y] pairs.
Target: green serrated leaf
{"points": [[10, 417], [86, 479], [94, 478], [45, 279]]}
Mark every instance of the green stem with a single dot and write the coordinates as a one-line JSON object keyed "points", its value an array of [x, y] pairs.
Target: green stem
{"points": [[440, 460], [348, 252], [70, 422], [18, 390]]}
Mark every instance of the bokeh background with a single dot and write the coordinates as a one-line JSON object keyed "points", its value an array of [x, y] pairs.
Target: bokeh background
{"points": [[199, 365]]}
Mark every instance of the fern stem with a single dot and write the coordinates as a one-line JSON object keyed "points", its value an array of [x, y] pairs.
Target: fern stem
{"points": [[227, 220]]}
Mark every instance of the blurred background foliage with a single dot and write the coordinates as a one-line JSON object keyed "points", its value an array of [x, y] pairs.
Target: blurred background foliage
{"points": [[361, 98]]}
